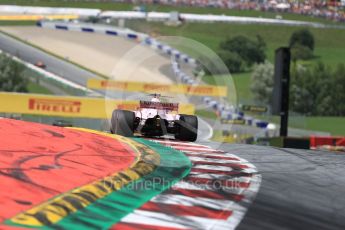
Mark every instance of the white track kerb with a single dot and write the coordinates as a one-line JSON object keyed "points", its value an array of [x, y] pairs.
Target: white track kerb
{"points": [[215, 195]]}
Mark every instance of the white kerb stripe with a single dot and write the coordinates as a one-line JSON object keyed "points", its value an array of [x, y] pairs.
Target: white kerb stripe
{"points": [[190, 201], [199, 158], [182, 222], [214, 167]]}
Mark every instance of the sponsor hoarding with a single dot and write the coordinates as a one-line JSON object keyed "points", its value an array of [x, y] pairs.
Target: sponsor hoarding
{"points": [[254, 108], [197, 90], [86, 107]]}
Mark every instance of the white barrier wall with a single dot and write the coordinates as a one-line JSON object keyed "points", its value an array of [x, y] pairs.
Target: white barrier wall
{"points": [[48, 10], [160, 16], [153, 16]]}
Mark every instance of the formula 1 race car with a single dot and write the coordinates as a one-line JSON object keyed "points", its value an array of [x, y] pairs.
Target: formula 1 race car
{"points": [[40, 64], [155, 119]]}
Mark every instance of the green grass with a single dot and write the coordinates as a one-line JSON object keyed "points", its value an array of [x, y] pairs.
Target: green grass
{"points": [[35, 88], [329, 43], [241, 81], [335, 125], [17, 23], [107, 5], [206, 114]]}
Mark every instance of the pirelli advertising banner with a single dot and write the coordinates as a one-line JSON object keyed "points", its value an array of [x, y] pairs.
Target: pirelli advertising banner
{"points": [[84, 107], [196, 90]]}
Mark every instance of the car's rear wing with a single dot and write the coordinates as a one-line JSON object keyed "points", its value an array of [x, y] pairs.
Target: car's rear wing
{"points": [[159, 105]]}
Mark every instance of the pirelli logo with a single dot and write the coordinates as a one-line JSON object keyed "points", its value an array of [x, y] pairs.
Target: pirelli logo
{"points": [[114, 85], [200, 90], [155, 87], [54, 105]]}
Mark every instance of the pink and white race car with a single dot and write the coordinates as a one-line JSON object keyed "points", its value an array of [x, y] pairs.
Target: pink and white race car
{"points": [[155, 119]]}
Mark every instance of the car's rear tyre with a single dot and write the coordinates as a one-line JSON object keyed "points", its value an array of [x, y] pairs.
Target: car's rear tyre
{"points": [[122, 123], [187, 128]]}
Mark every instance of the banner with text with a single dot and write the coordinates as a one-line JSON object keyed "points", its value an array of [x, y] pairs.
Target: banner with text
{"points": [[86, 107], [196, 90]]}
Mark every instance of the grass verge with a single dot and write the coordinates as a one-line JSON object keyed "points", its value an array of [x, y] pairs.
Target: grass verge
{"points": [[36, 88], [206, 114]]}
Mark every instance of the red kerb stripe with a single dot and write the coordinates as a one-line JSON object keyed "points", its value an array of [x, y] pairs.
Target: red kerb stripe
{"points": [[180, 210]]}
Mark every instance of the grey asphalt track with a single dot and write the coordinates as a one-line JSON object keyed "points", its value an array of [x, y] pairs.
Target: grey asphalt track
{"points": [[54, 64], [299, 190]]}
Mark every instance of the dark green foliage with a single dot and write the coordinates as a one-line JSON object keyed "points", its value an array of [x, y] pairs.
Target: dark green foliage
{"points": [[240, 52], [302, 37], [319, 91], [300, 52], [11, 75], [262, 83], [232, 60]]}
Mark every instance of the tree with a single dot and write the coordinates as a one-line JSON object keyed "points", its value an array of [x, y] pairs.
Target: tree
{"points": [[301, 99], [210, 65], [249, 51], [319, 91], [232, 60], [262, 83], [302, 37], [299, 52], [338, 91], [11, 75]]}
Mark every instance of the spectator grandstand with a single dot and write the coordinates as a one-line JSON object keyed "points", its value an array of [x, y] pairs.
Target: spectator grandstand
{"points": [[331, 10]]}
